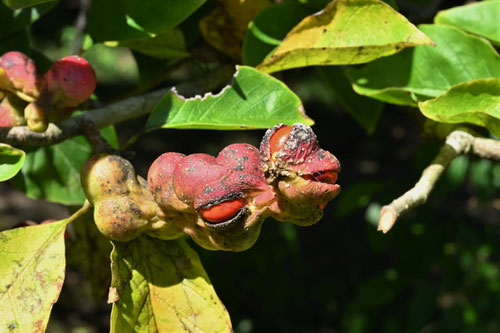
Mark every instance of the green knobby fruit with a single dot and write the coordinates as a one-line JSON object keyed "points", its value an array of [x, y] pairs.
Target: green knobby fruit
{"points": [[123, 205]]}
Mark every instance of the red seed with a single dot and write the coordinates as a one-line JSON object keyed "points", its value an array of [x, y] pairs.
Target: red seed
{"points": [[279, 138], [223, 211]]}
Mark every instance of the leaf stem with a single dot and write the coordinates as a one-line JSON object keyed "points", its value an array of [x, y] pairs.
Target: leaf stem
{"points": [[86, 206]]}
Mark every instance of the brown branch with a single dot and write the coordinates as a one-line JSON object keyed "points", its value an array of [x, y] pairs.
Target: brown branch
{"points": [[127, 109], [98, 143], [457, 143], [124, 110]]}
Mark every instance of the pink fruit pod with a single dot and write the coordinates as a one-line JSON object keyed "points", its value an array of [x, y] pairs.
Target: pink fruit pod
{"points": [[160, 182], [241, 157], [18, 74], [286, 149], [305, 175], [70, 81], [193, 172]]}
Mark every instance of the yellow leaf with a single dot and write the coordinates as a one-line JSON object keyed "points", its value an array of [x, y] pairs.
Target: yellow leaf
{"points": [[345, 32]]}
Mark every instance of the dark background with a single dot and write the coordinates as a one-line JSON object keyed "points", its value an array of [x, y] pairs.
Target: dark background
{"points": [[437, 270]]}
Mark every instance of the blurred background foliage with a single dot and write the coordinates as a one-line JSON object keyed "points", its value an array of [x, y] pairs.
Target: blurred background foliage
{"points": [[438, 270]]}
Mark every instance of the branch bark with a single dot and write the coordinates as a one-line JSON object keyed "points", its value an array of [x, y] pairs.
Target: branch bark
{"points": [[126, 109], [457, 143]]}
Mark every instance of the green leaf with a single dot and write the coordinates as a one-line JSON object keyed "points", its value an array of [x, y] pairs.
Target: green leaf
{"points": [[425, 71], [480, 18], [31, 275], [11, 161], [135, 19], [53, 173], [162, 287], [364, 110], [253, 100], [15, 20], [166, 45], [268, 29], [345, 32], [475, 102], [17, 4]]}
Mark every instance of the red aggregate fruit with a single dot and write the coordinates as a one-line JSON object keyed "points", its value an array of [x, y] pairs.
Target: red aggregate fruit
{"points": [[69, 82], [72, 80], [220, 202], [18, 74], [304, 174]]}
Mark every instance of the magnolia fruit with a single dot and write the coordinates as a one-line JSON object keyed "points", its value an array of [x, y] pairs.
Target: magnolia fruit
{"points": [[303, 173], [18, 74], [123, 205], [69, 82]]}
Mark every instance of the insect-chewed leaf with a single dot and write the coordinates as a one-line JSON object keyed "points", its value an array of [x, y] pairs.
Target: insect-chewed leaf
{"points": [[253, 100]]}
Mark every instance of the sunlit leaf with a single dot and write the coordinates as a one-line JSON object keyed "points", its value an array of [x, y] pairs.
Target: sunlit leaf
{"points": [[11, 161], [481, 18], [31, 275], [425, 72], [162, 287], [345, 32], [253, 100], [476, 102]]}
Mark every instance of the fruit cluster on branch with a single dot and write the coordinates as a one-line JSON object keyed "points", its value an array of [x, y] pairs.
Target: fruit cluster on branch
{"points": [[221, 202], [32, 99]]}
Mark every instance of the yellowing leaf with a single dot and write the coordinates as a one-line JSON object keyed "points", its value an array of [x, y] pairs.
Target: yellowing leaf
{"points": [[31, 275], [160, 286], [345, 32]]}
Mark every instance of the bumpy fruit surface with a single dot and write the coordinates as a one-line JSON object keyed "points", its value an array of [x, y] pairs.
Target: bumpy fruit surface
{"points": [[18, 74], [222, 201], [303, 173], [69, 82], [123, 205]]}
